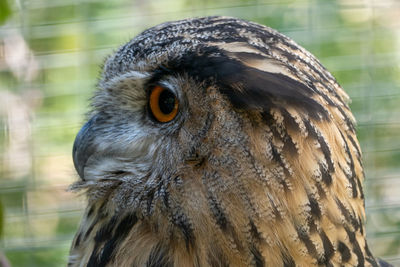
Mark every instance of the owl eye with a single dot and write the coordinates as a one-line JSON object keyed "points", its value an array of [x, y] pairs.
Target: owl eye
{"points": [[163, 104]]}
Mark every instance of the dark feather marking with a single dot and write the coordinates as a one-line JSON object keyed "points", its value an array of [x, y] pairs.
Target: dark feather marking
{"points": [[78, 240], [360, 188], [349, 123], [289, 120], [326, 81], [361, 225], [344, 251], [303, 236], [121, 231], [223, 222], [288, 261], [269, 120], [372, 261], [275, 154], [348, 216], [329, 250], [369, 257], [258, 258], [105, 232], [254, 232], [166, 199], [353, 142], [289, 145], [296, 58], [218, 213], [325, 150], [158, 258], [256, 239], [290, 123], [90, 229], [94, 257], [90, 212], [311, 80], [325, 175], [262, 89], [107, 252], [214, 204], [315, 209], [312, 132], [162, 192], [312, 84], [356, 247], [277, 157], [180, 220], [352, 178], [102, 212], [149, 202], [126, 225]]}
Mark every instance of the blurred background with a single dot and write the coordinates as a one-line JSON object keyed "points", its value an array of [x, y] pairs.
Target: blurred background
{"points": [[50, 53]]}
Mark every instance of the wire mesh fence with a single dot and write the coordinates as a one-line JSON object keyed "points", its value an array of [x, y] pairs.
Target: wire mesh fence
{"points": [[50, 53]]}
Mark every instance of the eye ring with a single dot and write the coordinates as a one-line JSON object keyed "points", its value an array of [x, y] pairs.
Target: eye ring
{"points": [[163, 104]]}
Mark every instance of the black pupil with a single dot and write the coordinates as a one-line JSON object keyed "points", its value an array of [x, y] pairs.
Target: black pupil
{"points": [[166, 101]]}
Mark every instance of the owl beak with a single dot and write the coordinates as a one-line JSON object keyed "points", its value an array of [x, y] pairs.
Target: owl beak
{"points": [[83, 147]]}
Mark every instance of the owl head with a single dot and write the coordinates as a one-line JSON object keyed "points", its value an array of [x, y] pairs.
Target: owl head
{"points": [[216, 140]]}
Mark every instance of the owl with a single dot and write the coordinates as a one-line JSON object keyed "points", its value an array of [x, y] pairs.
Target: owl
{"points": [[219, 142]]}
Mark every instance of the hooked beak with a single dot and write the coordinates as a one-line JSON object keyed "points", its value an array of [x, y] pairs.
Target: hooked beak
{"points": [[83, 147]]}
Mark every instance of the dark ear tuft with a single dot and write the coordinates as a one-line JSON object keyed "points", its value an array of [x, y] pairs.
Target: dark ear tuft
{"points": [[246, 87], [263, 90]]}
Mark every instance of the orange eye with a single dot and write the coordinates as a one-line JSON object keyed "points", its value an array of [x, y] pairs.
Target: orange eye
{"points": [[163, 104]]}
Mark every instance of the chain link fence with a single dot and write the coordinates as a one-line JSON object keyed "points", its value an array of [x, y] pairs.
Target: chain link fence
{"points": [[50, 53]]}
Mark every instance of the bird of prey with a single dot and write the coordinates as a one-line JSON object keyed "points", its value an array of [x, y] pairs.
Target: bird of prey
{"points": [[219, 142]]}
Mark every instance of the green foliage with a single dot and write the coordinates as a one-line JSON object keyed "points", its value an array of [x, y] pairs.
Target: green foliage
{"points": [[39, 257], [5, 11], [1, 219]]}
